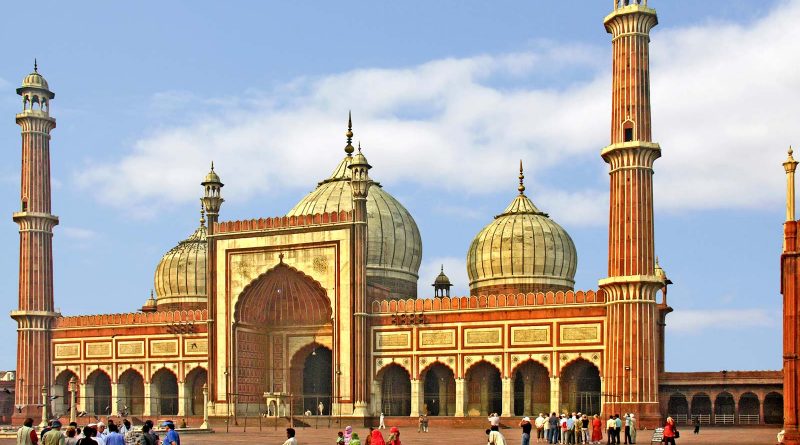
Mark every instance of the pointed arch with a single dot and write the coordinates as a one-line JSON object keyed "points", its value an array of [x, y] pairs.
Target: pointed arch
{"points": [[193, 389], [131, 393], [98, 392], [164, 392], [580, 386], [484, 388], [60, 388], [531, 380], [395, 390]]}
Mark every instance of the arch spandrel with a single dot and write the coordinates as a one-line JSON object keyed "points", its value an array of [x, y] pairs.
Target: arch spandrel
{"points": [[495, 361], [384, 363], [518, 360], [426, 363], [593, 358]]}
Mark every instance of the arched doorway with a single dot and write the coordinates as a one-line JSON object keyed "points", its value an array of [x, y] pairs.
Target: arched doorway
{"points": [[194, 391], [98, 393], [62, 401], [439, 391], [724, 409], [701, 407], [312, 379], [131, 393], [749, 409], [484, 389], [773, 408], [580, 387], [531, 389], [395, 391], [678, 407], [164, 393]]}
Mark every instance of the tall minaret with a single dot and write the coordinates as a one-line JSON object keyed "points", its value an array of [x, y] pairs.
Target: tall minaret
{"points": [[631, 366], [790, 288], [35, 312], [212, 198], [212, 202], [360, 183]]}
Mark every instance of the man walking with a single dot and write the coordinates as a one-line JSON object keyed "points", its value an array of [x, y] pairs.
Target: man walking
{"points": [[382, 425], [539, 423], [26, 435], [172, 437], [628, 429], [290, 440], [617, 428], [54, 436]]}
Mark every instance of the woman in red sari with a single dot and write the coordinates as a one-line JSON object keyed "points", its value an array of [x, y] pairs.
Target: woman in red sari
{"points": [[670, 431], [597, 429]]}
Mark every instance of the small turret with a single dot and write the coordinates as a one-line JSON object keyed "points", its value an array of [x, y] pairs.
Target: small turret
{"points": [[212, 198], [441, 285]]}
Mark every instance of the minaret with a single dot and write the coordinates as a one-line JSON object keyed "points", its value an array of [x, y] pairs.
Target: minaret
{"points": [[212, 202], [35, 312], [360, 183], [631, 363], [790, 288]]}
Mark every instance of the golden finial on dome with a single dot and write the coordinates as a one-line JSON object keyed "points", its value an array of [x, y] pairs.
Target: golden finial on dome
{"points": [[35, 66], [202, 213], [521, 187], [349, 147]]}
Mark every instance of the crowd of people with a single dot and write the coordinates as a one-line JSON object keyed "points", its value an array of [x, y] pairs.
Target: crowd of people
{"points": [[96, 434], [350, 437]]}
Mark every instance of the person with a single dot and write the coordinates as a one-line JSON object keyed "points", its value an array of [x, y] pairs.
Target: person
{"points": [[610, 425], [697, 424], [569, 433], [26, 435], [627, 429], [101, 433], [425, 422], [148, 436], [88, 437], [382, 425], [633, 428], [577, 433], [348, 434], [115, 438], [71, 438], [495, 437], [354, 440], [126, 426], [321, 408], [419, 426], [539, 424], [617, 428], [586, 427], [340, 438], [290, 440], [780, 436], [526, 426], [562, 423], [597, 429], [54, 436], [670, 431], [552, 424], [368, 440], [494, 419], [377, 437], [394, 436], [172, 437]]}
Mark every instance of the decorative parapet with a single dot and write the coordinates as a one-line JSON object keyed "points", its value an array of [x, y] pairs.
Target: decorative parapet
{"points": [[166, 317], [489, 302], [282, 222]]}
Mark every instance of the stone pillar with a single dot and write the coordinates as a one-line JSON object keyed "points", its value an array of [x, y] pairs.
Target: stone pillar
{"points": [[147, 406], [115, 397], [416, 396], [83, 400], [507, 401], [204, 425], [45, 404], [461, 386], [555, 395], [377, 398], [182, 400], [73, 410]]}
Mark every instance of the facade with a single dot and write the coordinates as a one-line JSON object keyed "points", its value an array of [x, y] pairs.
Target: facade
{"points": [[318, 311]]}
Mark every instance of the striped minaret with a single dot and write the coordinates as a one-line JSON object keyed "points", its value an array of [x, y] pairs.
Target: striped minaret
{"points": [[790, 288], [35, 312], [630, 372]]}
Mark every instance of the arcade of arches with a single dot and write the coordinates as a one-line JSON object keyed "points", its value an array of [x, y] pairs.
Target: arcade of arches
{"points": [[727, 408]]}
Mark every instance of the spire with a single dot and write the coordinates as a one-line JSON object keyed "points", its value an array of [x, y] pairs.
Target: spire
{"points": [[35, 66], [521, 187], [202, 213], [212, 166], [349, 147]]}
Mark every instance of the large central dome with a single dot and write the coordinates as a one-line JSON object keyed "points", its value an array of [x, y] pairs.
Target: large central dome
{"points": [[394, 249], [522, 250]]}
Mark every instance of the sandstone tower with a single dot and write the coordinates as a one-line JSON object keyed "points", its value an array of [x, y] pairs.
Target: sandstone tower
{"points": [[35, 312], [631, 368]]}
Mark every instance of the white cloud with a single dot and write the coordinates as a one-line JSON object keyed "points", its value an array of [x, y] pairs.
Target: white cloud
{"points": [[692, 321], [77, 233], [456, 270], [724, 100]]}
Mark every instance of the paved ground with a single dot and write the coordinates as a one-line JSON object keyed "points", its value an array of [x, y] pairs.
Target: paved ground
{"points": [[461, 436]]}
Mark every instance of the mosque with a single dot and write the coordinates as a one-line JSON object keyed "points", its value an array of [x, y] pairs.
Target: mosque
{"points": [[318, 309]]}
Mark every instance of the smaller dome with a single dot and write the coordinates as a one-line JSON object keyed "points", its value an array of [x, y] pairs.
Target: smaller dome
{"points": [[442, 279], [180, 278], [36, 81], [212, 177]]}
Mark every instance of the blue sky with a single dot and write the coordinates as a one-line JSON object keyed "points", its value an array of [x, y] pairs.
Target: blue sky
{"points": [[148, 95]]}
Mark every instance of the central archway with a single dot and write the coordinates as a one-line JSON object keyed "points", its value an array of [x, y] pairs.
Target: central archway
{"points": [[395, 391], [531, 389], [312, 379], [484, 389], [98, 393], [439, 391]]}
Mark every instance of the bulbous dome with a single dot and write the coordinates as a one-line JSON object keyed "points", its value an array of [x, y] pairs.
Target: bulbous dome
{"points": [[180, 278], [35, 80], [394, 249], [522, 250]]}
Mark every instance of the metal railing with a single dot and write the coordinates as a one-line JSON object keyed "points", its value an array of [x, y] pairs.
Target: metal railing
{"points": [[749, 419], [724, 419]]}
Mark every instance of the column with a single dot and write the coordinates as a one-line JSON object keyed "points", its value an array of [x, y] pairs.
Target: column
{"points": [[377, 398], [416, 393], [603, 397], [461, 386], [182, 402], [527, 407], [555, 394], [507, 398], [82, 399], [116, 389], [484, 397], [148, 402], [45, 404]]}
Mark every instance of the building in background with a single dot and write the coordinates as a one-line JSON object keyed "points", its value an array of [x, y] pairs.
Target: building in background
{"points": [[318, 308]]}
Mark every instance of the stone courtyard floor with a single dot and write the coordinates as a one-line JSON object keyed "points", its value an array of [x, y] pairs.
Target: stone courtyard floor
{"points": [[460, 436]]}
